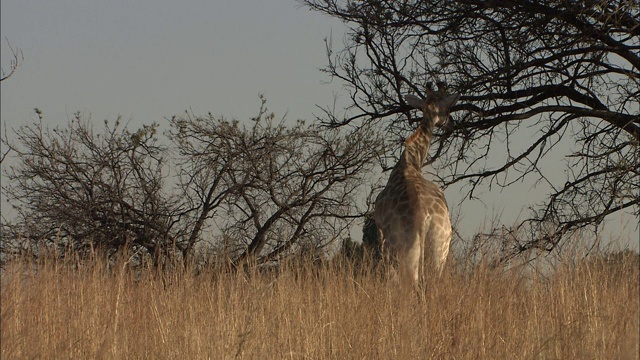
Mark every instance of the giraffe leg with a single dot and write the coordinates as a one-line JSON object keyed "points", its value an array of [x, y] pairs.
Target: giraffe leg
{"points": [[442, 256], [441, 240], [381, 244], [386, 259], [412, 262], [422, 237], [416, 254]]}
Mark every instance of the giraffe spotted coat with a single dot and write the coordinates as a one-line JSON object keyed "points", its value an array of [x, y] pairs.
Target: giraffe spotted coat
{"points": [[411, 213]]}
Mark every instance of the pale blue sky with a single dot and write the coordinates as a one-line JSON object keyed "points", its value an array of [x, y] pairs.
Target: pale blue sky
{"points": [[148, 60], [151, 59]]}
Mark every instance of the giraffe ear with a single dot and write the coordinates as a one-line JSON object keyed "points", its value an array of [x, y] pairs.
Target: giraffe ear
{"points": [[415, 101], [449, 101]]}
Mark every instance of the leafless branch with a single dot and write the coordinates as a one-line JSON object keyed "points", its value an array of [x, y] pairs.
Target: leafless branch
{"points": [[567, 72]]}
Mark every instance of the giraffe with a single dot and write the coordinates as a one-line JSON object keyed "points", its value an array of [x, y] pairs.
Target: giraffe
{"points": [[411, 212]]}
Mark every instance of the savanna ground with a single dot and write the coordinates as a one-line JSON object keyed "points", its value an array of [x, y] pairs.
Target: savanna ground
{"points": [[63, 309]]}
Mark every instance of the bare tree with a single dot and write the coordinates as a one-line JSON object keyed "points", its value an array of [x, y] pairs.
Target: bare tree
{"points": [[537, 78], [16, 60], [273, 188], [75, 189]]}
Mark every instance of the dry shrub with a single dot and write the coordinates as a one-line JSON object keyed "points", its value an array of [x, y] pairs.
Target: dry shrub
{"points": [[302, 309]]}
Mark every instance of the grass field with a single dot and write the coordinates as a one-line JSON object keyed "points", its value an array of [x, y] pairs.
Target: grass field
{"points": [[52, 310]]}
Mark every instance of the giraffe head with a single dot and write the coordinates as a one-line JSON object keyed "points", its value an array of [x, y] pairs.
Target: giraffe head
{"points": [[435, 107]]}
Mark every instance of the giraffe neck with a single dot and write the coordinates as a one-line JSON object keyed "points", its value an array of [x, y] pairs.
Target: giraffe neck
{"points": [[417, 147]]}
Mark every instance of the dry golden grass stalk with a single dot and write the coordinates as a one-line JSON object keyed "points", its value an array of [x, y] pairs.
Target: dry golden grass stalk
{"points": [[54, 309]]}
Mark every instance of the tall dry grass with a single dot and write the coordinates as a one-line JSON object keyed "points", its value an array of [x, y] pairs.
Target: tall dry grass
{"points": [[54, 310]]}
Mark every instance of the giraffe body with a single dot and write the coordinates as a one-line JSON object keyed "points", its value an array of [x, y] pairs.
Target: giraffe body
{"points": [[411, 213]]}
